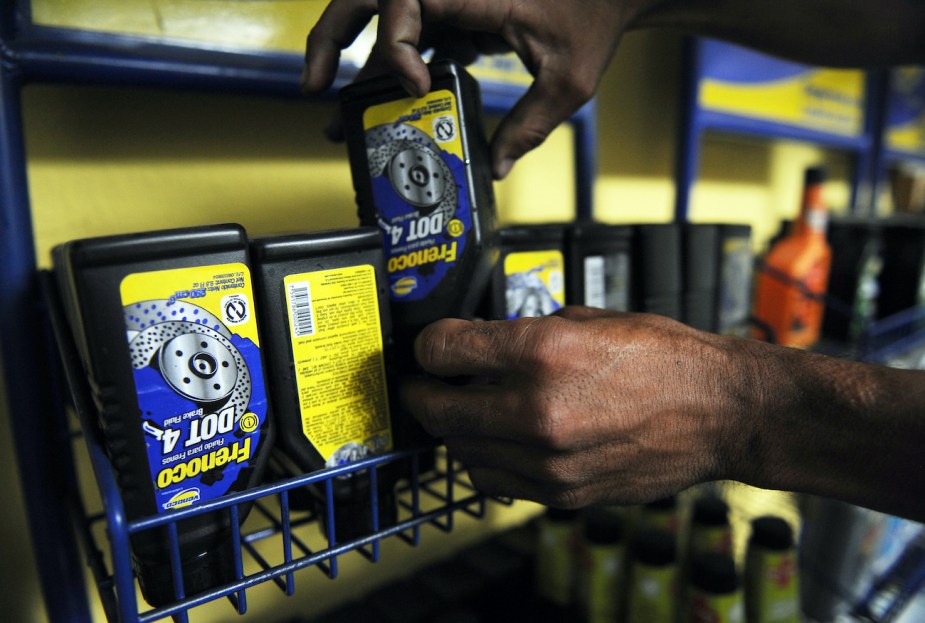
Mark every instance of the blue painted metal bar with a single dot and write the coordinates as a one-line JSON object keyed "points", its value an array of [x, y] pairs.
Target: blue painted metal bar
{"points": [[687, 158], [695, 121], [39, 431], [584, 124], [713, 120]]}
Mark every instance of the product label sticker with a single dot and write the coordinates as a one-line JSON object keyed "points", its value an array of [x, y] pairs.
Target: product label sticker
{"points": [[419, 184], [195, 353], [736, 273], [706, 608], [337, 352], [534, 283], [772, 582]]}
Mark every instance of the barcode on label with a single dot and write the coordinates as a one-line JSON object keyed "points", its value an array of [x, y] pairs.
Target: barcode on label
{"points": [[300, 309]]}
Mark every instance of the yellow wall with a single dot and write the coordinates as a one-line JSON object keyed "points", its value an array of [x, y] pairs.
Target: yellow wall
{"points": [[108, 160]]}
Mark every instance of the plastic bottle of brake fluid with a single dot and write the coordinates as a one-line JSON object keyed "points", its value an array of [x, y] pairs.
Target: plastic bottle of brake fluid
{"points": [[657, 274], [529, 278], [324, 309], [599, 266], [167, 331], [421, 171]]}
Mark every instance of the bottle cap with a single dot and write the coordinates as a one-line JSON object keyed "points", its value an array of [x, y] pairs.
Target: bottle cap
{"points": [[562, 514], [714, 574], [710, 511], [655, 547], [772, 533], [815, 175], [602, 526], [663, 504]]}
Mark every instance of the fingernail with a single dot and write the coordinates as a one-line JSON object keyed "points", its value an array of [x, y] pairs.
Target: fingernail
{"points": [[410, 87], [503, 168]]}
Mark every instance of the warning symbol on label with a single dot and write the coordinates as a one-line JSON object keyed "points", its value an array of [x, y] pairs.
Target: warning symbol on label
{"points": [[444, 129], [235, 309]]}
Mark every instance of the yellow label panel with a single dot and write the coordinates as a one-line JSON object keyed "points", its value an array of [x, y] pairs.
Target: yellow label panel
{"points": [[338, 357], [266, 25], [826, 100], [223, 290], [534, 283], [436, 115]]}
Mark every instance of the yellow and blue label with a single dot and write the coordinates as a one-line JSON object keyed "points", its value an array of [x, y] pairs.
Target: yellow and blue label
{"points": [[417, 168], [534, 283], [195, 356]]}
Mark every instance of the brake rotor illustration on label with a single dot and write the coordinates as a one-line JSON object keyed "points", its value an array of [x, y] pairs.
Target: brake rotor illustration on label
{"points": [[412, 162], [197, 361]]}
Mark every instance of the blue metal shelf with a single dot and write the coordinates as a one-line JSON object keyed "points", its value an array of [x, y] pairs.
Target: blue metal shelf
{"points": [[696, 121], [31, 53]]}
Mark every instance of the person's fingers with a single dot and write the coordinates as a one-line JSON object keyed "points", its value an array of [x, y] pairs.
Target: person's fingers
{"points": [[582, 312], [502, 483], [552, 98], [400, 26], [339, 25], [477, 410], [453, 347]]}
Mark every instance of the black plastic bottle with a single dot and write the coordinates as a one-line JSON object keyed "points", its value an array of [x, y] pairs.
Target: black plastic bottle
{"points": [[736, 274], [325, 317], [700, 245], [529, 278], [599, 266], [166, 327], [422, 173], [657, 269], [854, 281]]}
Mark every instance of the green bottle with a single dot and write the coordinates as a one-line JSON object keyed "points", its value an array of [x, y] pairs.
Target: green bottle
{"points": [[602, 566], [555, 557], [653, 578], [772, 592], [715, 591]]}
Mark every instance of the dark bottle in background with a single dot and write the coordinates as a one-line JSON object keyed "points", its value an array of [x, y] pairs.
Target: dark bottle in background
{"points": [[599, 266]]}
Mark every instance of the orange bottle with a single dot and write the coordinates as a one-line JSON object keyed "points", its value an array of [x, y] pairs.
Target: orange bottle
{"points": [[791, 284]]}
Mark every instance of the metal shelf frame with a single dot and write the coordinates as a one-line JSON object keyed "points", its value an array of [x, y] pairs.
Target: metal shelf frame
{"points": [[31, 53], [696, 121]]}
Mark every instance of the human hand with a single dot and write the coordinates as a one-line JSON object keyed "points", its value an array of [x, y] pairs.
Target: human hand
{"points": [[566, 46], [583, 407]]}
